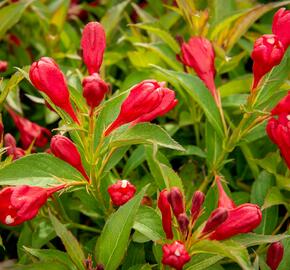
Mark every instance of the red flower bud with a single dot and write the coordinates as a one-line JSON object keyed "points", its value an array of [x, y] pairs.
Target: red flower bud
{"points": [[223, 200], [13, 39], [183, 223], [93, 44], [94, 90], [63, 148], [175, 255], [216, 219], [1, 131], [21, 203], [12, 150], [281, 26], [48, 78], [30, 132], [165, 210], [268, 52], [283, 107], [175, 198], [121, 192], [197, 202], [279, 132], [242, 219], [3, 66], [198, 54], [146, 101], [275, 255]]}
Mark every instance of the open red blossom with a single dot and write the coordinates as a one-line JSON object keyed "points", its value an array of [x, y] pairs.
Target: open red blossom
{"points": [[30, 132], [3, 66], [165, 210], [93, 44], [281, 26], [121, 192], [268, 52], [275, 255], [48, 78], [63, 148], [242, 219], [146, 101], [175, 255], [21, 203], [199, 54], [12, 150]]}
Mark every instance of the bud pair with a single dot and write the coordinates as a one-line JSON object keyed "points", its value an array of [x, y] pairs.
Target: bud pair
{"points": [[21, 203], [146, 101], [65, 149], [12, 150], [121, 192]]}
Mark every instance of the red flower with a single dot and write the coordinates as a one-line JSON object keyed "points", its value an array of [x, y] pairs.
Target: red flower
{"points": [[165, 210], [283, 107], [275, 255], [146, 101], [121, 192], [93, 44], [63, 148], [281, 26], [175, 255], [3, 66], [268, 52], [196, 205], [223, 200], [48, 78], [30, 132], [12, 150], [21, 203], [1, 130], [198, 54], [94, 90], [175, 198], [242, 219], [279, 132], [216, 219]]}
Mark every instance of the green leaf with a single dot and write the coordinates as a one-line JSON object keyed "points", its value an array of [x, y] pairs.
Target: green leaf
{"points": [[38, 170], [42, 266], [71, 244], [274, 197], [145, 133], [112, 243], [148, 222], [202, 261], [190, 150], [136, 158], [196, 89]]}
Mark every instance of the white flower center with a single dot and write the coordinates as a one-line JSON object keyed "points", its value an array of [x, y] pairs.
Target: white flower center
{"points": [[9, 220], [177, 253], [124, 184], [271, 40], [288, 117]]}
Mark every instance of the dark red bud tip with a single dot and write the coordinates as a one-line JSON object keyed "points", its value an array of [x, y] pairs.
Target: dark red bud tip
{"points": [[175, 255], [183, 223], [175, 198], [121, 192], [197, 202], [275, 255], [165, 210], [217, 217], [1, 131]]}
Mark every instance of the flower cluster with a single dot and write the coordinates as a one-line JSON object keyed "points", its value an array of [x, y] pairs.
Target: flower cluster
{"points": [[224, 222]]}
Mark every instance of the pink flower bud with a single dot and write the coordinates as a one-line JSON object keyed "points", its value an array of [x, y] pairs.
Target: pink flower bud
{"points": [[121, 192], [198, 54], [146, 101], [223, 200], [3, 66], [94, 89], [275, 255], [12, 150], [175, 255], [175, 198], [63, 148], [183, 223], [30, 132], [197, 202], [21, 203], [268, 52], [48, 78], [216, 219], [281, 26], [1, 130], [242, 219], [93, 44], [165, 210], [278, 131]]}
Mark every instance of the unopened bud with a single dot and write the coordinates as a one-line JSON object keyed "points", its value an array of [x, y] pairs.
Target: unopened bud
{"points": [[275, 255], [197, 201], [217, 217], [183, 222], [175, 198], [165, 210]]}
